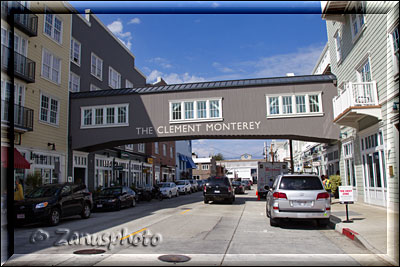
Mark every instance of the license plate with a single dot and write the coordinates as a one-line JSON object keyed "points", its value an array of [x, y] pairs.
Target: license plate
{"points": [[301, 203], [99, 205], [217, 191], [20, 216]]}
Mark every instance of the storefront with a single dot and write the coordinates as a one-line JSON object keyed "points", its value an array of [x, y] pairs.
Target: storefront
{"points": [[80, 167], [50, 166], [135, 173], [121, 171], [103, 171], [147, 174]]}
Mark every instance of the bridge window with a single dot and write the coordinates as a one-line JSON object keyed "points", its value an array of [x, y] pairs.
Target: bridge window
{"points": [[195, 110], [294, 105], [104, 116]]}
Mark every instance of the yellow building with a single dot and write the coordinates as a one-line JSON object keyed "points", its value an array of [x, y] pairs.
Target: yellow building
{"points": [[41, 76]]}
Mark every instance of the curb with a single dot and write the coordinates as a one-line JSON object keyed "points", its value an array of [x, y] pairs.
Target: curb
{"points": [[335, 224]]}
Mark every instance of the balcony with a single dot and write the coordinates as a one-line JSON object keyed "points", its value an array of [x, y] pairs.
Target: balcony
{"points": [[357, 101], [24, 20], [24, 68], [23, 117], [334, 10]]}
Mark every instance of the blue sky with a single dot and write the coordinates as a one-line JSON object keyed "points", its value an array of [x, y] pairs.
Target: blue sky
{"points": [[220, 45]]}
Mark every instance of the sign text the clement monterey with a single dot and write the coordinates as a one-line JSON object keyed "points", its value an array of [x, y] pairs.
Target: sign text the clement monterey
{"points": [[194, 128]]}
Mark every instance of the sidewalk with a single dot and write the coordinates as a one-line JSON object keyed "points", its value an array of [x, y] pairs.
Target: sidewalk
{"points": [[376, 228]]}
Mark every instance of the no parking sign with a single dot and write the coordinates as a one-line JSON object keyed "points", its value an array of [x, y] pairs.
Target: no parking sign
{"points": [[346, 194]]}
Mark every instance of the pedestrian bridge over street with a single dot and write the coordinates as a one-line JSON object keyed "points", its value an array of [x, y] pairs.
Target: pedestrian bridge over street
{"points": [[294, 107]]}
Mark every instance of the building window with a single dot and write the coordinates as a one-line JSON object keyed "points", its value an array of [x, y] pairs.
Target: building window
{"points": [[165, 150], [141, 147], [364, 72], [395, 45], [171, 152], [195, 110], [51, 66], [74, 82], [49, 108], [94, 87], [156, 148], [105, 116], [205, 167], [53, 27], [75, 52], [294, 105], [114, 79], [300, 104], [128, 84], [273, 105], [357, 19], [338, 46], [96, 67]]}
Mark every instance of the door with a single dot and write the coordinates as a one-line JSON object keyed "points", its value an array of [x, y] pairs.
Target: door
{"points": [[67, 202]]}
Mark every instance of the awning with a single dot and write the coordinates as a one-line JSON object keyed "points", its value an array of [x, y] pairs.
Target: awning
{"points": [[190, 164], [19, 161]]}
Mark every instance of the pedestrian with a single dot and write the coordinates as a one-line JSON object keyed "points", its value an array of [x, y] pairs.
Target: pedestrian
{"points": [[327, 184], [19, 191]]}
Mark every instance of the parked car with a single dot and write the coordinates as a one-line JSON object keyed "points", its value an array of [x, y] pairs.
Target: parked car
{"points": [[219, 188], [298, 196], [115, 198], [246, 183], [184, 187], [200, 185], [169, 189], [193, 185], [50, 203], [239, 188]]}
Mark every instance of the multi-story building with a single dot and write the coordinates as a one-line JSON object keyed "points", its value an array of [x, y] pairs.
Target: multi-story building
{"points": [[93, 67], [363, 41], [245, 167], [164, 162], [184, 162], [206, 167], [41, 61]]}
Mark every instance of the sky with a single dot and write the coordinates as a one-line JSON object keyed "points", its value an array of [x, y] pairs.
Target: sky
{"points": [[214, 41]]}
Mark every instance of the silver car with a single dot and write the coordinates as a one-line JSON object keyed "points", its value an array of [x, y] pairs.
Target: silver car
{"points": [[298, 196]]}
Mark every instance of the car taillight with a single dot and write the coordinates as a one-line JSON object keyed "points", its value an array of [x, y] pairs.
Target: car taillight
{"points": [[323, 196], [205, 188], [229, 189], [278, 195]]}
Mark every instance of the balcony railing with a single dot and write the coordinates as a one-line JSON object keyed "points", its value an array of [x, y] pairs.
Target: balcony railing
{"points": [[23, 17], [24, 68], [23, 117], [355, 95]]}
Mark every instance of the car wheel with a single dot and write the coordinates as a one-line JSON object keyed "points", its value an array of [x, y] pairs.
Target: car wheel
{"points": [[177, 193], [54, 217], [323, 222], [133, 204], [118, 206], [273, 222], [206, 201], [86, 211], [170, 195]]}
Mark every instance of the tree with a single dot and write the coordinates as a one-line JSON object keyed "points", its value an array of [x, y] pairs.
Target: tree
{"points": [[219, 156]]}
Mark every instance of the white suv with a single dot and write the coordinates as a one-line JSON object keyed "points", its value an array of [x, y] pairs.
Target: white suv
{"points": [[184, 187]]}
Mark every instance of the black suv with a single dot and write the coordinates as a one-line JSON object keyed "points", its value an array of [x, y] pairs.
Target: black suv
{"points": [[49, 203], [218, 188]]}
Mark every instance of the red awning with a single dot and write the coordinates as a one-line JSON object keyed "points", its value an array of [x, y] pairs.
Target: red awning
{"points": [[19, 161]]}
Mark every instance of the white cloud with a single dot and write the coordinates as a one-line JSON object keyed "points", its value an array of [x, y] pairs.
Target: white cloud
{"points": [[117, 28], [173, 78], [134, 21], [221, 68], [161, 62]]}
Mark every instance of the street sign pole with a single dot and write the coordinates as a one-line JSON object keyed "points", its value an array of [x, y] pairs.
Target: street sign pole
{"points": [[347, 214]]}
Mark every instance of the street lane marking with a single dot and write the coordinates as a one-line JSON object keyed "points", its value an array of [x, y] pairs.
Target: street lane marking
{"points": [[133, 233], [184, 211]]}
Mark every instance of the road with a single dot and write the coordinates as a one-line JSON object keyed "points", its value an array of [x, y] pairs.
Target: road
{"points": [[210, 234]]}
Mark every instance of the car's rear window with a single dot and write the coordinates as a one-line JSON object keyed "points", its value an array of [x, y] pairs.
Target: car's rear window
{"points": [[300, 183], [219, 181]]}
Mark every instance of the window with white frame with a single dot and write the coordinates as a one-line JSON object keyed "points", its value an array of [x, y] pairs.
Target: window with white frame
{"points": [[205, 167], [338, 42], [53, 27], [94, 87], [395, 46], [306, 104], [49, 109], [51, 66], [357, 19], [74, 82], [96, 66], [128, 84], [195, 110], [114, 78], [141, 147], [364, 72], [75, 51], [129, 147], [350, 176], [104, 116]]}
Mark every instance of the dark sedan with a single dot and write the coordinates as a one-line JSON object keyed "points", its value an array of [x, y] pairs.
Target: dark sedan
{"points": [[239, 188], [115, 198], [218, 188], [49, 203]]}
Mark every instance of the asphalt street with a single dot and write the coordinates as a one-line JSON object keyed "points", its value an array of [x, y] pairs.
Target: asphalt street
{"points": [[210, 234]]}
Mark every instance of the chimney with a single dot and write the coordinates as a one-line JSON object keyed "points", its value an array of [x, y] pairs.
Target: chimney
{"points": [[87, 14]]}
